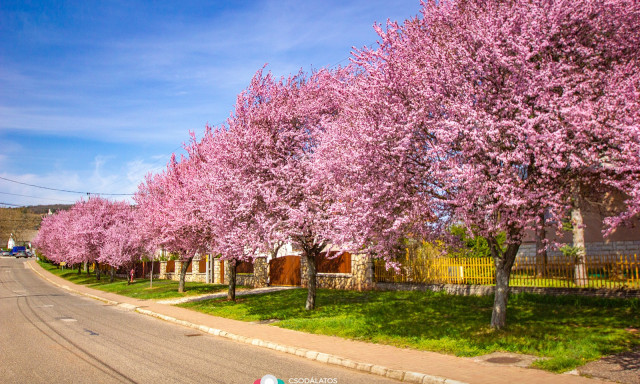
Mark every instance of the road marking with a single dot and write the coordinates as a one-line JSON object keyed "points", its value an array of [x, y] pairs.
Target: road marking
{"points": [[67, 319]]}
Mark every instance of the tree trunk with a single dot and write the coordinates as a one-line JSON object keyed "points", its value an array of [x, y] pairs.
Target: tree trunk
{"points": [[86, 267], [183, 273], [79, 268], [577, 223], [113, 274], [231, 293], [541, 250], [311, 280], [97, 271], [504, 261]]}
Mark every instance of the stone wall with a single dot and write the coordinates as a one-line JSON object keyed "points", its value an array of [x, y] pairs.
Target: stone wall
{"points": [[196, 273], [527, 250], [194, 276], [217, 276], [163, 270], [168, 275], [363, 271], [257, 279], [246, 279], [486, 290], [360, 278], [334, 281], [260, 272]]}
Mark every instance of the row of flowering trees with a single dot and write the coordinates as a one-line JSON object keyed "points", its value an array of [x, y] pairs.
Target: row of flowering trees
{"points": [[485, 114], [96, 230]]}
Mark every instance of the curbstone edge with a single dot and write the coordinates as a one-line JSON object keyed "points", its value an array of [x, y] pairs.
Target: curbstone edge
{"points": [[396, 374]]}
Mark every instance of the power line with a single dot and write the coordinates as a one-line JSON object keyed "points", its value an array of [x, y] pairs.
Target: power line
{"points": [[78, 192], [36, 197], [66, 190], [118, 194], [13, 205]]}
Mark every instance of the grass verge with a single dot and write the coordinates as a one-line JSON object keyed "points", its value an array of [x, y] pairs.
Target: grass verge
{"points": [[567, 330], [162, 289]]}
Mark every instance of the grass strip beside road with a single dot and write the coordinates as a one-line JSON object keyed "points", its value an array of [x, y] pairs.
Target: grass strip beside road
{"points": [[567, 330], [162, 289]]}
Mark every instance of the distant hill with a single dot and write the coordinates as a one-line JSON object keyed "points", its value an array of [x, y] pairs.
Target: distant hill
{"points": [[44, 209], [24, 222]]}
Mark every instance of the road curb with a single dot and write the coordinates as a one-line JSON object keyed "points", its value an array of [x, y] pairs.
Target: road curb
{"points": [[405, 376], [68, 288], [330, 359]]}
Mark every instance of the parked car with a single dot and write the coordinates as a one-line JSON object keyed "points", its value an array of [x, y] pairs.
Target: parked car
{"points": [[19, 251], [20, 254], [29, 253], [5, 253]]}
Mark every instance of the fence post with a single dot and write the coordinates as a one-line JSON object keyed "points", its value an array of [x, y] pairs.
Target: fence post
{"points": [[207, 270]]}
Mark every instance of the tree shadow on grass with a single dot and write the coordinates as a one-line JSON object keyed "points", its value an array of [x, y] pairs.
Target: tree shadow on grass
{"points": [[139, 289], [576, 329]]}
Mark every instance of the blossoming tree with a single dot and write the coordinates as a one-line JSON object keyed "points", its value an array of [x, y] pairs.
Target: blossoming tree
{"points": [[272, 137], [169, 215], [122, 244], [487, 113], [51, 239], [96, 230], [220, 202]]}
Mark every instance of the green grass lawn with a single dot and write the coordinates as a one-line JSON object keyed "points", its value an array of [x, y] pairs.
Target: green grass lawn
{"points": [[162, 289], [568, 330]]}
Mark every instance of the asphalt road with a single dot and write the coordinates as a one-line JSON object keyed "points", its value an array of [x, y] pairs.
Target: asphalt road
{"points": [[48, 335]]}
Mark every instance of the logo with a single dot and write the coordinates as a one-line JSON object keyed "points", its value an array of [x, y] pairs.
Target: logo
{"points": [[268, 379]]}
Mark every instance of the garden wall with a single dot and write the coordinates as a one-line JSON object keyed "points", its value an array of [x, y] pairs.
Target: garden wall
{"points": [[486, 290], [257, 278], [359, 276], [170, 270]]}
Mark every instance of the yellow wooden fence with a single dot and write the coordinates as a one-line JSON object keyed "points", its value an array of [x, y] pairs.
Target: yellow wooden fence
{"points": [[605, 271]]}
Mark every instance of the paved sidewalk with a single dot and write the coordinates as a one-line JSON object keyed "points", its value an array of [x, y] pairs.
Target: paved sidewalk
{"points": [[405, 365], [254, 291]]}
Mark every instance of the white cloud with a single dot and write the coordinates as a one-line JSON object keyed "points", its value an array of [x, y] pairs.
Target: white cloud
{"points": [[106, 178], [20, 194], [136, 171], [150, 83]]}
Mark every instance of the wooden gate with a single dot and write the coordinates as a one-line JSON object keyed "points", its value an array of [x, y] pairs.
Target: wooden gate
{"points": [[285, 271], [146, 268], [171, 266]]}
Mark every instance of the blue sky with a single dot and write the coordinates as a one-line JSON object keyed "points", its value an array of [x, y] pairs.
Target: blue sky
{"points": [[96, 94]]}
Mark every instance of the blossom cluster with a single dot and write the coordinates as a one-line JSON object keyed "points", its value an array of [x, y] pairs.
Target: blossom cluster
{"points": [[96, 230], [486, 114]]}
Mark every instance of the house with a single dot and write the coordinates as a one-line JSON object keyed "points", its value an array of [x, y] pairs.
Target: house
{"points": [[288, 268], [624, 240]]}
